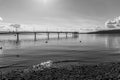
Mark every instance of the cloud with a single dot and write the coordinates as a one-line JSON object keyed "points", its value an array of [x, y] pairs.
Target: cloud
{"points": [[110, 24], [115, 23], [1, 19]]}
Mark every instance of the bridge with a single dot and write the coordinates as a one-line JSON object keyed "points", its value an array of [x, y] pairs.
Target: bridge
{"points": [[17, 33]]}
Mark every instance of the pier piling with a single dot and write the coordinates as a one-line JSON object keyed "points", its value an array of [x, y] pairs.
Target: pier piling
{"points": [[58, 35], [66, 35], [48, 35], [35, 36], [17, 34]]}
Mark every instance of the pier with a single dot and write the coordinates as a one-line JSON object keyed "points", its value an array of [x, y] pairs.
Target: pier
{"points": [[37, 32]]}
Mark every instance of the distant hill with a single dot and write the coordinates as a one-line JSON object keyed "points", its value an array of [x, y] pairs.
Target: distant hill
{"points": [[115, 31]]}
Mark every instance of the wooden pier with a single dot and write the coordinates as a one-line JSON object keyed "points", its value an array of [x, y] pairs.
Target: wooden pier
{"points": [[37, 32]]}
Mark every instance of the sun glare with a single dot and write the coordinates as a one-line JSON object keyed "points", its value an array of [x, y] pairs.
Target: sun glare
{"points": [[45, 1]]}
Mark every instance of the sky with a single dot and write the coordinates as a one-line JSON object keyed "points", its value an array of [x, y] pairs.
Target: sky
{"points": [[59, 14]]}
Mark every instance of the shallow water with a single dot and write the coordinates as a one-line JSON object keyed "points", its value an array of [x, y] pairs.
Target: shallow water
{"points": [[87, 48]]}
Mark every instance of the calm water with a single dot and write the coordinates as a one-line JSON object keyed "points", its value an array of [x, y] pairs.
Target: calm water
{"points": [[86, 47], [108, 41]]}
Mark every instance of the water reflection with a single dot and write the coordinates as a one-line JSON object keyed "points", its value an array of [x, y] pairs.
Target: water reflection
{"points": [[111, 40]]}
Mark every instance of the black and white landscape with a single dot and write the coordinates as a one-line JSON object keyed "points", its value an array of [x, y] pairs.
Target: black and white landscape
{"points": [[59, 40]]}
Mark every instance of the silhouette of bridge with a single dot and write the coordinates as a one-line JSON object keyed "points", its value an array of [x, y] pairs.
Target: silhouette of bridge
{"points": [[17, 33]]}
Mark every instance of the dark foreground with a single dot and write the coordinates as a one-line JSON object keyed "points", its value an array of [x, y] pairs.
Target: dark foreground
{"points": [[104, 71]]}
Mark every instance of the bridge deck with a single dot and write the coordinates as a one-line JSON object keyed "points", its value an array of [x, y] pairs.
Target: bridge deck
{"points": [[25, 32]]}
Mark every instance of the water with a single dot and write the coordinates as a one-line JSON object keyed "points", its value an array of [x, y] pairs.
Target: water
{"points": [[10, 41], [88, 48]]}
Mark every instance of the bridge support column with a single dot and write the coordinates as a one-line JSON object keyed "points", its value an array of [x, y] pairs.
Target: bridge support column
{"points": [[58, 35], [66, 35], [48, 35], [17, 34], [35, 36]]}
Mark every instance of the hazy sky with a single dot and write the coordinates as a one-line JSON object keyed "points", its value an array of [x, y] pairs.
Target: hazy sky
{"points": [[60, 12]]}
